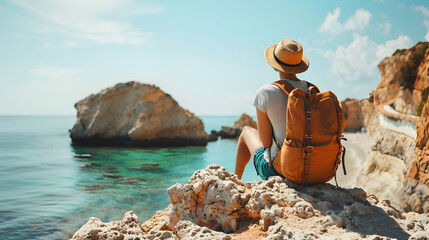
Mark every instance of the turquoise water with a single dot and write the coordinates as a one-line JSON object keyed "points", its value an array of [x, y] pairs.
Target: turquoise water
{"points": [[47, 193]]}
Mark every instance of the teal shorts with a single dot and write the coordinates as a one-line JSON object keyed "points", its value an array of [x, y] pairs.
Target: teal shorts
{"points": [[261, 165]]}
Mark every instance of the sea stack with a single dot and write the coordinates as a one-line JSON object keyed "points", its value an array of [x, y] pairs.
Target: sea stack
{"points": [[135, 114], [235, 130]]}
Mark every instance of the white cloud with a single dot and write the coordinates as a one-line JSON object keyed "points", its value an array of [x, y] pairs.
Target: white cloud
{"points": [[62, 44], [387, 49], [384, 27], [54, 72], [359, 21], [426, 22], [331, 24], [100, 21], [358, 61], [424, 11]]}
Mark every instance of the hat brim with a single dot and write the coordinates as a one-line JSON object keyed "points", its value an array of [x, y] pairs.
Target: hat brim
{"points": [[302, 67]]}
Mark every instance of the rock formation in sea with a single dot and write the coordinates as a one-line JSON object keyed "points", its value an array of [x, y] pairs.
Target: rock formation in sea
{"points": [[395, 166], [215, 204], [235, 130], [353, 114], [134, 113]]}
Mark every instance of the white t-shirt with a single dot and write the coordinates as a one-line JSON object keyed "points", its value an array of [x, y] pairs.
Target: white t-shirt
{"points": [[273, 101]]}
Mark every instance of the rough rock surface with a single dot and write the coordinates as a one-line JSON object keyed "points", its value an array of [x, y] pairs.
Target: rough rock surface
{"points": [[403, 78], [395, 167], [185, 230], [127, 228], [215, 202], [216, 199], [419, 170], [418, 175], [353, 114], [133, 113], [212, 198], [235, 130]]}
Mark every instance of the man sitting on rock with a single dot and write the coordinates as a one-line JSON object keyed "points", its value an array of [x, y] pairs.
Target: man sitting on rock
{"points": [[287, 58]]}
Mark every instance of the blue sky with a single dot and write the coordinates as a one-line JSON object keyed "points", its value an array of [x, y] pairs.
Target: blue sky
{"points": [[209, 55]]}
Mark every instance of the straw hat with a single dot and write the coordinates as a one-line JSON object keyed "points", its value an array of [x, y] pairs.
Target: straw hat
{"points": [[287, 57]]}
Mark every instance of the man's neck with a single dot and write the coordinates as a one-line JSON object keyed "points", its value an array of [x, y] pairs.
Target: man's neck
{"points": [[290, 76]]}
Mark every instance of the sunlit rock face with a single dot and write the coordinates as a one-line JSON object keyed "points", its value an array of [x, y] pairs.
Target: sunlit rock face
{"points": [[133, 113], [418, 174], [396, 166], [404, 76], [353, 115]]}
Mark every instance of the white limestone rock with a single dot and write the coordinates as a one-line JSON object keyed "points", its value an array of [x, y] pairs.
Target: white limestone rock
{"points": [[214, 202], [134, 113], [282, 231], [189, 230], [127, 228], [304, 209], [421, 235], [217, 200]]}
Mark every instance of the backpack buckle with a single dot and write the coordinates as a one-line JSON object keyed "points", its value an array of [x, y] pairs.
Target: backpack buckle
{"points": [[308, 152]]}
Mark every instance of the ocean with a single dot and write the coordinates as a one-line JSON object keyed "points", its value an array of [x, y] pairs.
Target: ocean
{"points": [[48, 193]]}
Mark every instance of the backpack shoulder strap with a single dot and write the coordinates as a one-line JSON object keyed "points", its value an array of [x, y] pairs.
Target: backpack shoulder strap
{"points": [[284, 86], [312, 88]]}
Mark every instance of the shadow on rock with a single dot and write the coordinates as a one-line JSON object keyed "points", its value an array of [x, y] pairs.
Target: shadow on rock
{"points": [[352, 210]]}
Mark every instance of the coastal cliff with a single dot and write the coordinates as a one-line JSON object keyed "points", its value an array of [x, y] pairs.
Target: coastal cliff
{"points": [[353, 115], [394, 168], [404, 77], [215, 204], [417, 178], [139, 114]]}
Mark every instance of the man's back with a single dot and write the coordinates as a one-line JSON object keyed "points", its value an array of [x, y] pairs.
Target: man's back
{"points": [[273, 101]]}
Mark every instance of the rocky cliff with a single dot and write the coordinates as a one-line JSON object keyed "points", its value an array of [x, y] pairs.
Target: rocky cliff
{"points": [[235, 130], [404, 76], [133, 113], [417, 178], [215, 204], [394, 167], [353, 114]]}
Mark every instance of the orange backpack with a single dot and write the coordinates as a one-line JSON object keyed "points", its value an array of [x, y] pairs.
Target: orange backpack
{"points": [[312, 150]]}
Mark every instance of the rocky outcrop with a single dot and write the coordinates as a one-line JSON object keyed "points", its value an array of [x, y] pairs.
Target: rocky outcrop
{"points": [[353, 115], [418, 175], [235, 130], [404, 76], [215, 204], [419, 170], [127, 228], [135, 114], [394, 165]]}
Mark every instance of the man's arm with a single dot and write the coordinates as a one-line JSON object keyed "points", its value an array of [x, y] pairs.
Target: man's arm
{"points": [[264, 128]]}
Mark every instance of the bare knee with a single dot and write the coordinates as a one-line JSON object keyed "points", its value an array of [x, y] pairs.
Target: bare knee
{"points": [[248, 130], [250, 137]]}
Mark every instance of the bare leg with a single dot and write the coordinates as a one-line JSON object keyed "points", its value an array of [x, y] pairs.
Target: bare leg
{"points": [[248, 143]]}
